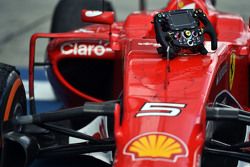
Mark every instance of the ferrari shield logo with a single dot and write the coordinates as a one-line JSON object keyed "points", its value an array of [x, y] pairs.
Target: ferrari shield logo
{"points": [[156, 146], [232, 70]]}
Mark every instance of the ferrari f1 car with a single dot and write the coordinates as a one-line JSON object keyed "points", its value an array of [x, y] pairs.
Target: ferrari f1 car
{"points": [[162, 88]]}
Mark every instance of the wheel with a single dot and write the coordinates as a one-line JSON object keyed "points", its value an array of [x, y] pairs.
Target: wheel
{"points": [[67, 14], [12, 99], [12, 94]]}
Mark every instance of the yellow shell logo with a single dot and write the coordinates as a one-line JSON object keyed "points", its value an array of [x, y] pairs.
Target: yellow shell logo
{"points": [[156, 146]]}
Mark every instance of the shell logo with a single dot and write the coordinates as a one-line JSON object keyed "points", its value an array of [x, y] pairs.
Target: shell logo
{"points": [[156, 146]]}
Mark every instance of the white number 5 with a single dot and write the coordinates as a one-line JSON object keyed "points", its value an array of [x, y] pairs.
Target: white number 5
{"points": [[160, 109]]}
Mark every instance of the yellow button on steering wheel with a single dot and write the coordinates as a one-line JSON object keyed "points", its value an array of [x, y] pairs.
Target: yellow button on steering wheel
{"points": [[187, 33]]}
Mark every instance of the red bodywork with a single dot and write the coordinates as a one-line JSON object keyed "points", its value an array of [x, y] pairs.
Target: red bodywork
{"points": [[144, 77]]}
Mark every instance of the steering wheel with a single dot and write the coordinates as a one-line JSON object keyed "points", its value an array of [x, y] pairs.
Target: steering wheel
{"points": [[180, 30]]}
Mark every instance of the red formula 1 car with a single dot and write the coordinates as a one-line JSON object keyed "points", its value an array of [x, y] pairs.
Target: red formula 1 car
{"points": [[163, 88]]}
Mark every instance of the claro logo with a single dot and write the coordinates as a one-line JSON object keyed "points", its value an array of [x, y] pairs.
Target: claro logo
{"points": [[83, 49]]}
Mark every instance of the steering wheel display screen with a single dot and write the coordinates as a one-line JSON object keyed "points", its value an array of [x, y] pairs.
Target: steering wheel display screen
{"points": [[181, 19]]}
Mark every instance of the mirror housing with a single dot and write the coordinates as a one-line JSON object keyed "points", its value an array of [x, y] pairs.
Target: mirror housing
{"points": [[99, 17]]}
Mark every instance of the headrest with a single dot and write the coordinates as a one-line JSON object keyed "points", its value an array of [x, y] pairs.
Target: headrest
{"points": [[187, 4]]}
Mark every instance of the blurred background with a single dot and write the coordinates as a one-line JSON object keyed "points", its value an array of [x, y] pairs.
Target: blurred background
{"points": [[19, 19]]}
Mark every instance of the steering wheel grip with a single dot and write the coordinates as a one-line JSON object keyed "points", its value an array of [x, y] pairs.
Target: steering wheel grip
{"points": [[211, 32], [160, 35], [209, 29]]}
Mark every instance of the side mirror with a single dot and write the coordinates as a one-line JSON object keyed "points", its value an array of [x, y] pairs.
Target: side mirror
{"points": [[98, 17]]}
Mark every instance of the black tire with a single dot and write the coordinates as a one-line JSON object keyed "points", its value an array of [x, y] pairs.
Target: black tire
{"points": [[12, 99], [67, 14]]}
